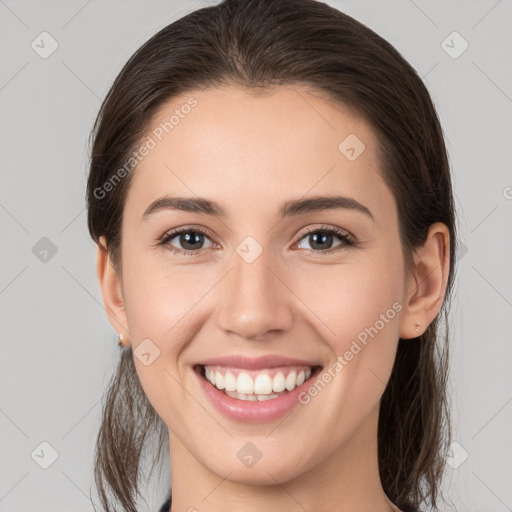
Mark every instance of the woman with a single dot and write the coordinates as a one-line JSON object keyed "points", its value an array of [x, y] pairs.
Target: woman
{"points": [[271, 198]]}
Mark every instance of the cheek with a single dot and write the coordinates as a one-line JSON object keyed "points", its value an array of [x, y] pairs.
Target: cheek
{"points": [[159, 296], [360, 304], [352, 298]]}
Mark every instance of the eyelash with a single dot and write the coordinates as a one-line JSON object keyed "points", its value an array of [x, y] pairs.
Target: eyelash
{"points": [[347, 240]]}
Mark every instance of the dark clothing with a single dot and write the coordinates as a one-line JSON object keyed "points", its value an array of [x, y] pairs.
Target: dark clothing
{"points": [[167, 506], [411, 508]]}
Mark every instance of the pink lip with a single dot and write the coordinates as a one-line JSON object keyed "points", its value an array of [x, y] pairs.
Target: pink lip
{"points": [[258, 363], [253, 412]]}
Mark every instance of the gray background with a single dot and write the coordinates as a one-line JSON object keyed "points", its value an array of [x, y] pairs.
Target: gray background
{"points": [[58, 349]]}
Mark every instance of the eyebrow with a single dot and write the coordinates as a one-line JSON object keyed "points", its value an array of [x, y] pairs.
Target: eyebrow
{"points": [[289, 208]]}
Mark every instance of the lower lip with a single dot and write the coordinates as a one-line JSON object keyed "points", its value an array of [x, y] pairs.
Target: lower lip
{"points": [[247, 411]]}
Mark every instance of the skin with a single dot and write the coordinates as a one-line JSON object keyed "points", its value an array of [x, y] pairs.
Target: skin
{"points": [[251, 154]]}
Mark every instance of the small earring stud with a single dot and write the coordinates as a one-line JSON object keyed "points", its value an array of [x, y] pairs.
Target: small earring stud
{"points": [[120, 340], [417, 325]]}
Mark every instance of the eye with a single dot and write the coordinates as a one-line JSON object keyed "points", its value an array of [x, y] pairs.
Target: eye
{"points": [[321, 239], [191, 239]]}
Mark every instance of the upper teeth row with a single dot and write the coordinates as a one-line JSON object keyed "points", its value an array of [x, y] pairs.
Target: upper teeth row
{"points": [[263, 384]]}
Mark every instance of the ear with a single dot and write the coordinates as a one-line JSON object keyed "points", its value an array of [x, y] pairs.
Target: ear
{"points": [[111, 290], [426, 284]]}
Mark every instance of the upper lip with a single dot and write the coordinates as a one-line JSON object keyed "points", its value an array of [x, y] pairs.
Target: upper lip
{"points": [[255, 363]]}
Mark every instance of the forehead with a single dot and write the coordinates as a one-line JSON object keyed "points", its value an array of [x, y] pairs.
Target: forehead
{"points": [[250, 152]]}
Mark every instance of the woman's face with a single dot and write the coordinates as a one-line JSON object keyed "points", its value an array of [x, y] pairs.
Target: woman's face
{"points": [[260, 283]]}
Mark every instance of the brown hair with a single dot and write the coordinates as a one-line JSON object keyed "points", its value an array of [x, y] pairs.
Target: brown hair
{"points": [[257, 45]]}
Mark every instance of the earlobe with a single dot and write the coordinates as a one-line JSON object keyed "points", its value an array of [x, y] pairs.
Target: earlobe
{"points": [[427, 283], [111, 290]]}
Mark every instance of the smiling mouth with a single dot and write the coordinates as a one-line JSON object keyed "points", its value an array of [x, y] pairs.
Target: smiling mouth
{"points": [[256, 385]]}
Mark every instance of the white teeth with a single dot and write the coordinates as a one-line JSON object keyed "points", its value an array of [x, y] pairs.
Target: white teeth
{"points": [[290, 381], [278, 383], [219, 380], [263, 387], [230, 382], [262, 398], [252, 398], [244, 384]]}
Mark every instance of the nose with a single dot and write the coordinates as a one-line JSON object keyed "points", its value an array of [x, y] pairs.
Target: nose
{"points": [[255, 299]]}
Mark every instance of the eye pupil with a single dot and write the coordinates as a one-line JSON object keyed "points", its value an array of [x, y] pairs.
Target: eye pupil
{"points": [[188, 239], [320, 240]]}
